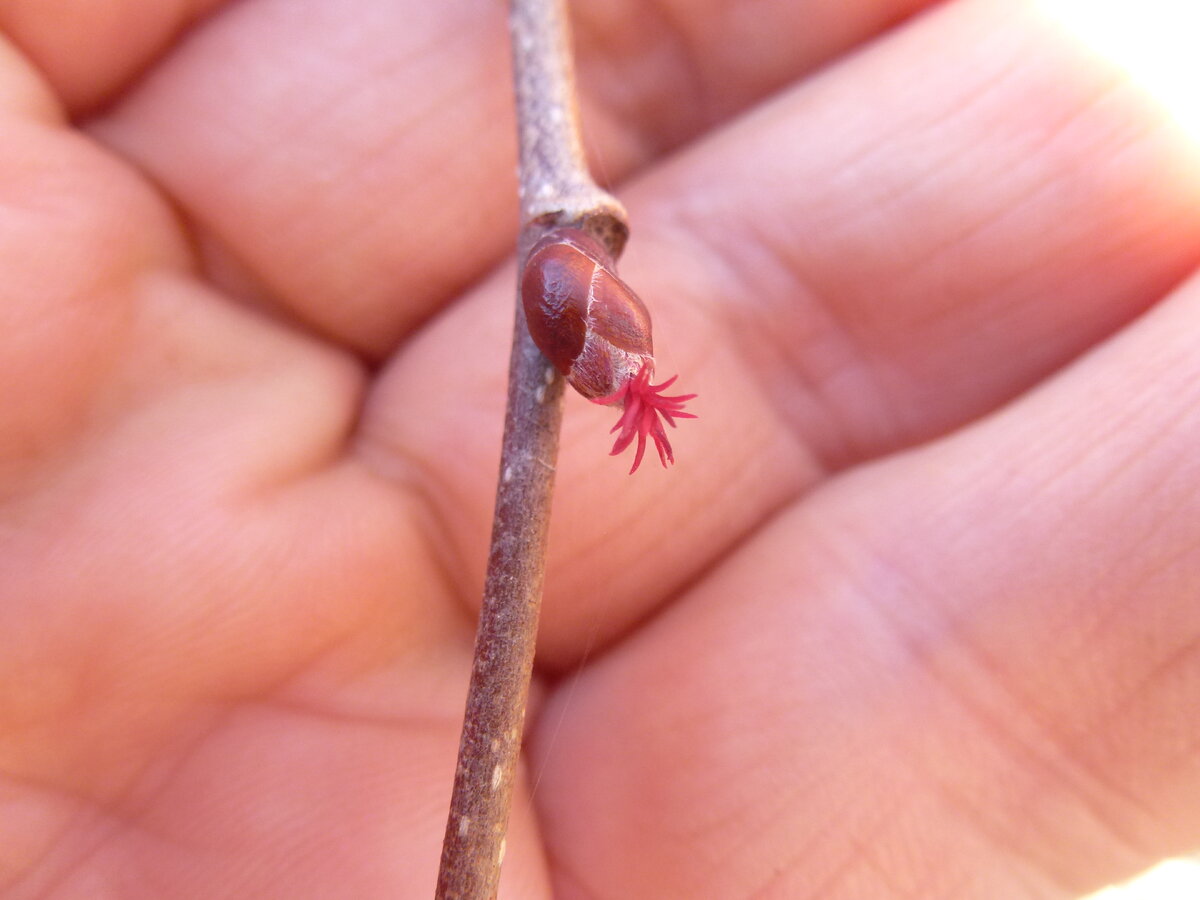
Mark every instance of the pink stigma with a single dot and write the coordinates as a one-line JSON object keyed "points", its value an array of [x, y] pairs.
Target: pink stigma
{"points": [[644, 404]]}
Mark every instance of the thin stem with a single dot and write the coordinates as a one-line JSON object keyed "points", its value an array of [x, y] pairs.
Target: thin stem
{"points": [[556, 189]]}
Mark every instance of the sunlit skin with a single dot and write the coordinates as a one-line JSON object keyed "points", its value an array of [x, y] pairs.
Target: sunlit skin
{"points": [[913, 615]]}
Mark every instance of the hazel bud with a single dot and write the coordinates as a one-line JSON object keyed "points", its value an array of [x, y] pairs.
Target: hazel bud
{"points": [[596, 331]]}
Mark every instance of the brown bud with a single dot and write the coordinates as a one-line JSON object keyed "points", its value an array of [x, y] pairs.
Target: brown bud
{"points": [[585, 319], [596, 331]]}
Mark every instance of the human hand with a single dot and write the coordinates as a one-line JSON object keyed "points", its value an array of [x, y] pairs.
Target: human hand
{"points": [[913, 615]]}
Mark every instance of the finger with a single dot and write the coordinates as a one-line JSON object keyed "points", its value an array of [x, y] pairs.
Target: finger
{"points": [[370, 791], [71, 268], [652, 76], [87, 51], [988, 200], [179, 531], [177, 519], [971, 670], [352, 165]]}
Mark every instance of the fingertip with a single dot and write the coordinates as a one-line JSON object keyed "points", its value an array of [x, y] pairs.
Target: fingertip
{"points": [[86, 51], [23, 92]]}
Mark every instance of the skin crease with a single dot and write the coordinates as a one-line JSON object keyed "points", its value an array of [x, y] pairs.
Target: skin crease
{"points": [[912, 616]]}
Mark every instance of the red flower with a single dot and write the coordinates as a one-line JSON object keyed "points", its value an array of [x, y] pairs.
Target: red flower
{"points": [[644, 405]]}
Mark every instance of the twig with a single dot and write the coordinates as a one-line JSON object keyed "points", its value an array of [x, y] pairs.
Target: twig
{"points": [[556, 189]]}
